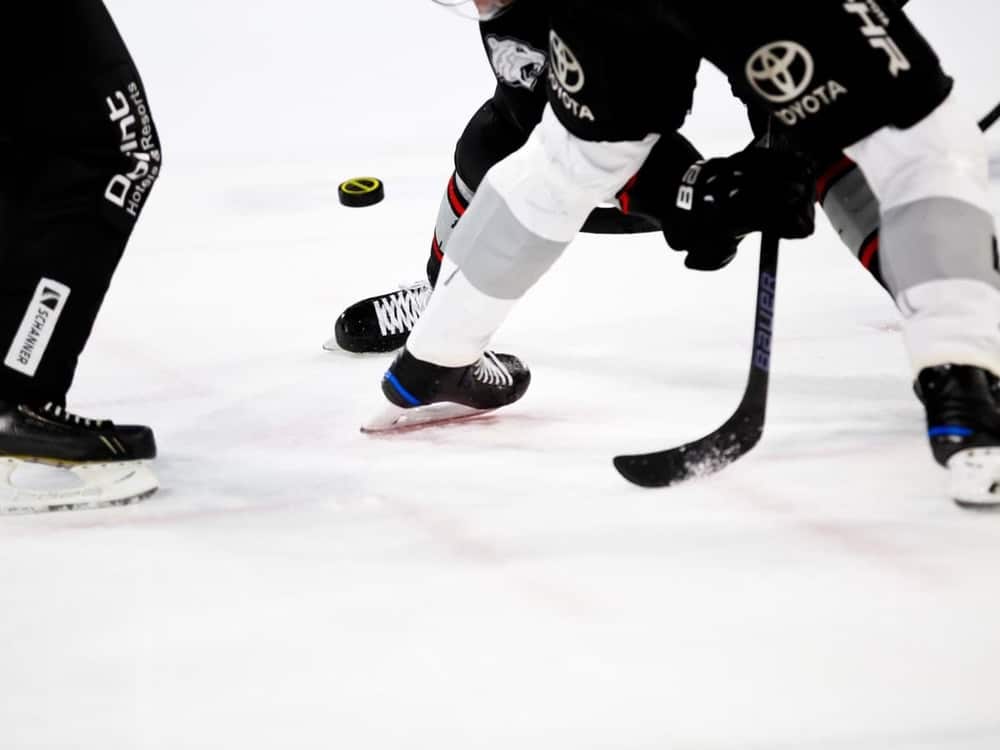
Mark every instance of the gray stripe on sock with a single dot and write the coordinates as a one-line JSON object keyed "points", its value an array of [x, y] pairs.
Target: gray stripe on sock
{"points": [[497, 254], [937, 239], [852, 209]]}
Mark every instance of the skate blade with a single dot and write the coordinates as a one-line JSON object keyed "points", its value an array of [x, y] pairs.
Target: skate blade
{"points": [[975, 478], [333, 347], [101, 485], [395, 419]]}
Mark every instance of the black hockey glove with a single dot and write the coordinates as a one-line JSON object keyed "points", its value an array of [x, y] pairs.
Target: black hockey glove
{"points": [[756, 190], [706, 208], [649, 194]]}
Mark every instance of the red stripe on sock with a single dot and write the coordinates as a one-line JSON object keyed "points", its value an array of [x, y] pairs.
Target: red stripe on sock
{"points": [[436, 248], [624, 199], [454, 198], [868, 251]]}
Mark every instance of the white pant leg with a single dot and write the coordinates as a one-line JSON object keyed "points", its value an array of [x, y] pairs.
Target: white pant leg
{"points": [[527, 210], [942, 156], [937, 236]]}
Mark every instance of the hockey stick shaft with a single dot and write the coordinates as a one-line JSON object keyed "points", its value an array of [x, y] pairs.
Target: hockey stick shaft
{"points": [[990, 120]]}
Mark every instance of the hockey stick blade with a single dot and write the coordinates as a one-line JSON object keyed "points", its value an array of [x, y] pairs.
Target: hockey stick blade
{"points": [[742, 431]]}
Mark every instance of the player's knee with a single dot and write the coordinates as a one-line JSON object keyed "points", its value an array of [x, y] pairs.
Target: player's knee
{"points": [[942, 156], [553, 181]]}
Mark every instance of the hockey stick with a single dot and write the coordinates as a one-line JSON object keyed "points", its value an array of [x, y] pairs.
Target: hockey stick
{"points": [[987, 122], [743, 429]]}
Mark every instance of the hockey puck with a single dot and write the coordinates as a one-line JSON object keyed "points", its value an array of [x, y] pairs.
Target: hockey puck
{"points": [[361, 191]]}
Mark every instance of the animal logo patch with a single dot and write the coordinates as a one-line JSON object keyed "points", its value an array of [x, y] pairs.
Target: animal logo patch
{"points": [[516, 63]]}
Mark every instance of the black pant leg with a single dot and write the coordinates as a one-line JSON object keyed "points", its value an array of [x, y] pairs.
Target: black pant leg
{"points": [[85, 154], [489, 137], [515, 43]]}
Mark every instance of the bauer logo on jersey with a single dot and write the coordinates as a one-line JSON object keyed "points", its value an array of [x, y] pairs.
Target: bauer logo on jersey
{"points": [[515, 63], [567, 77], [32, 339]]}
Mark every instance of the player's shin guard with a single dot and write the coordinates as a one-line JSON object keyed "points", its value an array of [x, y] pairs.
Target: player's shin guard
{"points": [[459, 321]]}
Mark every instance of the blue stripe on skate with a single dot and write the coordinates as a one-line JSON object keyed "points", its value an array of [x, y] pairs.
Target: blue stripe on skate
{"points": [[949, 430], [407, 396]]}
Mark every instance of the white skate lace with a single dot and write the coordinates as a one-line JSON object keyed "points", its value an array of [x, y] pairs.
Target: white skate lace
{"points": [[398, 312], [492, 371], [58, 412]]}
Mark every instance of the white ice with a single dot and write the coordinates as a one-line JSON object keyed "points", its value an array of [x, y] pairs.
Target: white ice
{"points": [[494, 585]]}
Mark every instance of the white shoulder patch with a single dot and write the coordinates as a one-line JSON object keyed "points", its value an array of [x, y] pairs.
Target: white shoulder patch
{"points": [[516, 63]]}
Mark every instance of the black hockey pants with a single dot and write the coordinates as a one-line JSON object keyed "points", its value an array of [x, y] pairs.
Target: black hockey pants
{"points": [[79, 154]]}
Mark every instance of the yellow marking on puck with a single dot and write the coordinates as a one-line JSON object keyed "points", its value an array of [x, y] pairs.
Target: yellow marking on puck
{"points": [[361, 191]]}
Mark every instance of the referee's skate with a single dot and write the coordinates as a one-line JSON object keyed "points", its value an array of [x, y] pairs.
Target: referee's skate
{"points": [[109, 461]]}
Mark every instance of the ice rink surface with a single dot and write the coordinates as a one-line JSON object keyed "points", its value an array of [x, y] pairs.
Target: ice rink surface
{"points": [[492, 585]]}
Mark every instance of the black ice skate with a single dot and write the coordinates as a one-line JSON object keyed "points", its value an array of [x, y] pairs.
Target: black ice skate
{"points": [[963, 424], [109, 459], [382, 323], [422, 393]]}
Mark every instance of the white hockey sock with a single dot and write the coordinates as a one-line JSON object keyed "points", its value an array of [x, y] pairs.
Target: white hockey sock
{"points": [[459, 321], [952, 321]]}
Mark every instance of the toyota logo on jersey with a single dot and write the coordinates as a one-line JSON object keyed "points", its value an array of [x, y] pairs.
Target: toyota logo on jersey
{"points": [[781, 71], [565, 66]]}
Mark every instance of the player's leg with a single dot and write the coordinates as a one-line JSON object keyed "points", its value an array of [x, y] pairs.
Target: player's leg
{"points": [[521, 220], [526, 211], [84, 156], [603, 124], [842, 191], [858, 75], [516, 45], [383, 323], [853, 210], [939, 258]]}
